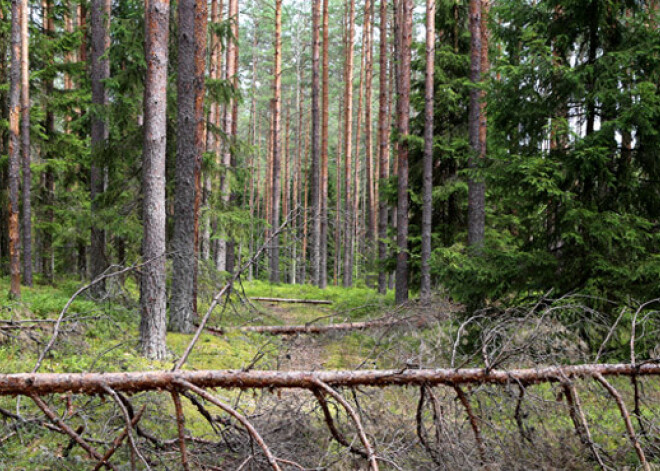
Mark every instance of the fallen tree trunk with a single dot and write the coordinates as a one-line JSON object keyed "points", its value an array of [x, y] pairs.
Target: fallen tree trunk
{"points": [[97, 383], [292, 300], [317, 329]]}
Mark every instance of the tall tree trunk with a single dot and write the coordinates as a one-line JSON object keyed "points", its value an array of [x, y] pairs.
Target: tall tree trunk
{"points": [[47, 256], [427, 178], [277, 105], [100, 71], [214, 45], [190, 145], [323, 266], [25, 146], [476, 187], [348, 148], [405, 25], [152, 287], [370, 208], [14, 149], [316, 147], [383, 148], [233, 130]]}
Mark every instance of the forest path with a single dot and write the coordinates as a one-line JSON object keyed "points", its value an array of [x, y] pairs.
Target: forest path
{"points": [[299, 352]]}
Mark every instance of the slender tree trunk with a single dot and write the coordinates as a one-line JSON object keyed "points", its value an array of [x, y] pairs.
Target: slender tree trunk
{"points": [[303, 265], [337, 264], [427, 178], [233, 130], [370, 207], [25, 146], [476, 187], [14, 149], [405, 25], [214, 45], [152, 288], [277, 105], [348, 148], [383, 148], [253, 142], [323, 268], [100, 71], [316, 147]]}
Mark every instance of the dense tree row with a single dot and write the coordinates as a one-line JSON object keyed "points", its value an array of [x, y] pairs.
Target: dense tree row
{"points": [[136, 132]]}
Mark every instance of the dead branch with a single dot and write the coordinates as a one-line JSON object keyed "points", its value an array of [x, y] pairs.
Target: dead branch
{"points": [[68, 430], [356, 420], [233, 412], [120, 438], [336, 434], [92, 383], [473, 422], [292, 300], [180, 422], [218, 297], [580, 421], [58, 322], [127, 418], [316, 329], [626, 419]]}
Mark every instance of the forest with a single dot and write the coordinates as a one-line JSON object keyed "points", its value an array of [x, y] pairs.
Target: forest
{"points": [[330, 234]]}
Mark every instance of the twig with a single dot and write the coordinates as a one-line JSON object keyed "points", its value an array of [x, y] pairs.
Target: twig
{"points": [[127, 418], [626, 419], [120, 438], [356, 420], [68, 430], [238, 416]]}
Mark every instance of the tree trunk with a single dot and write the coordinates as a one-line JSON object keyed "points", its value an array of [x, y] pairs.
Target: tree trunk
{"points": [[25, 146], [370, 208], [348, 148], [181, 302], [14, 149], [48, 175], [323, 268], [427, 178], [100, 71], [232, 130], [152, 288], [277, 105], [476, 187], [383, 148], [314, 192], [405, 25]]}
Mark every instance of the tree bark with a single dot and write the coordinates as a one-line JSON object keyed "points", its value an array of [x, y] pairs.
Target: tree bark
{"points": [[14, 150], [277, 105], [100, 71], [348, 148], [370, 207], [427, 177], [152, 288], [476, 187], [405, 25], [383, 148], [26, 230]]}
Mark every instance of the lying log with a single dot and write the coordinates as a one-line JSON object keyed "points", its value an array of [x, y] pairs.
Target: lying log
{"points": [[317, 329], [292, 300], [97, 383]]}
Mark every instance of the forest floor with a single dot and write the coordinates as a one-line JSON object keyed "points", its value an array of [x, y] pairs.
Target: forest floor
{"points": [[101, 336]]}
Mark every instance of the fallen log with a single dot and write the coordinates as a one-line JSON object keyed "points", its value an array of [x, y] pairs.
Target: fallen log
{"points": [[292, 300], [97, 383], [317, 329]]}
